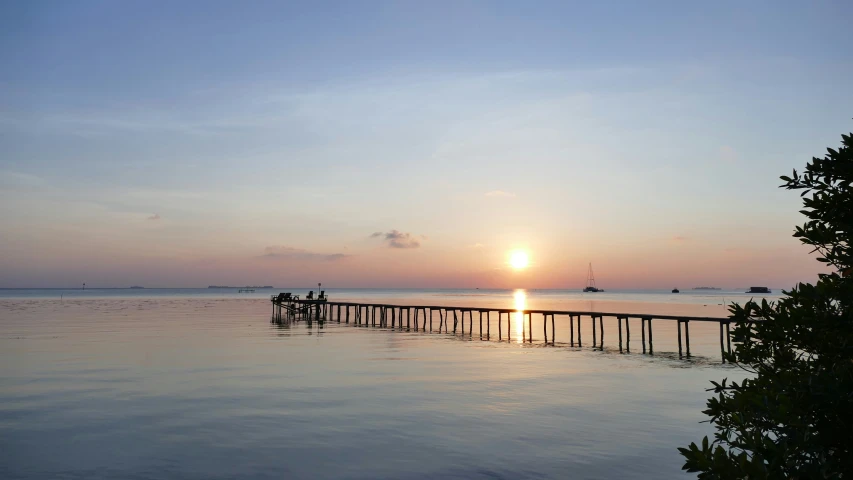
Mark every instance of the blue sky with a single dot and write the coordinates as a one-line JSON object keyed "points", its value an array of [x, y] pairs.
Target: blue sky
{"points": [[189, 143]]}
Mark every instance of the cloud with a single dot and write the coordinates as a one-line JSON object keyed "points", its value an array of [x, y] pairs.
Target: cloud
{"points": [[500, 193], [19, 180], [154, 217], [281, 251], [476, 245], [728, 154], [680, 239], [398, 239]]}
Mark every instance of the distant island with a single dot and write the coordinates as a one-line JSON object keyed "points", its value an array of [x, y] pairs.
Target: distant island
{"points": [[136, 286], [706, 288], [247, 286]]}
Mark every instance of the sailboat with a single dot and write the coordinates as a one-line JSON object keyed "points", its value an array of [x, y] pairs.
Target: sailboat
{"points": [[590, 281]]}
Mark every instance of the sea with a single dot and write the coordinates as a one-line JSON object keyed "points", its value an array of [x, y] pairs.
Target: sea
{"points": [[203, 384]]}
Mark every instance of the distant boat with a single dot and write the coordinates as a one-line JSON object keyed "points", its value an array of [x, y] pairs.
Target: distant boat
{"points": [[590, 281], [248, 286], [759, 290], [675, 290]]}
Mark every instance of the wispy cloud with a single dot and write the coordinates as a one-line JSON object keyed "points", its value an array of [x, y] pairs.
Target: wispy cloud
{"points": [[728, 154], [19, 179], [476, 246], [154, 217], [281, 251], [679, 239], [500, 193], [398, 239]]}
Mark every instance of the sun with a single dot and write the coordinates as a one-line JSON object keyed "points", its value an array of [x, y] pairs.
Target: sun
{"points": [[519, 260]]}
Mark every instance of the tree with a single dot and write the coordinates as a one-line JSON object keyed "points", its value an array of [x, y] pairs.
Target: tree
{"points": [[793, 418]]}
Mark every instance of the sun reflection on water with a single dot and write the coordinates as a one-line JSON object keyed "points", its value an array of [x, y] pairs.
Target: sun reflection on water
{"points": [[520, 304]]}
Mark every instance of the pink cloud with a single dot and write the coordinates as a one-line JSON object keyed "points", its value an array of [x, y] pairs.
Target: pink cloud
{"points": [[398, 239], [500, 193], [280, 251]]}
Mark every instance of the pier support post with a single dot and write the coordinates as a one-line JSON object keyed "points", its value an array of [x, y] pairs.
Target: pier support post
{"points": [[594, 340], [553, 331], [679, 337], [619, 322], [729, 337], [651, 345], [643, 331], [580, 341], [651, 341], [687, 336], [601, 327], [500, 328], [572, 330]]}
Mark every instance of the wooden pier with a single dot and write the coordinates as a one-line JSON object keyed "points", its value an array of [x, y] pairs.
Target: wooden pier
{"points": [[421, 318]]}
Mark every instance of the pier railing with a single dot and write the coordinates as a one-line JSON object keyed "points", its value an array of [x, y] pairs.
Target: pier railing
{"points": [[421, 318]]}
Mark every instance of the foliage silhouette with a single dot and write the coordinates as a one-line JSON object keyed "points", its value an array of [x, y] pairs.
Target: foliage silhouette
{"points": [[793, 418]]}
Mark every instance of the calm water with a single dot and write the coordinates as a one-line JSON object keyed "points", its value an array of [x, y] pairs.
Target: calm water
{"points": [[199, 384]]}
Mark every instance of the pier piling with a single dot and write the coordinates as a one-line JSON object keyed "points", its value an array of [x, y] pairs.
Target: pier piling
{"points": [[286, 308]]}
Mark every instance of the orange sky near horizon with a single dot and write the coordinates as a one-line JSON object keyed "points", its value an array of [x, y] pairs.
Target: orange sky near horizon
{"points": [[403, 148]]}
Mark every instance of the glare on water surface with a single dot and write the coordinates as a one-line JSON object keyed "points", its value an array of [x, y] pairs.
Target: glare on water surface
{"points": [[520, 304]]}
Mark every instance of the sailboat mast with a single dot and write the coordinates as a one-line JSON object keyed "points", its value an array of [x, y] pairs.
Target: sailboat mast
{"points": [[590, 278]]}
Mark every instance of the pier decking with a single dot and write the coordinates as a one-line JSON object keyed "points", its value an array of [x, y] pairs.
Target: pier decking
{"points": [[421, 318]]}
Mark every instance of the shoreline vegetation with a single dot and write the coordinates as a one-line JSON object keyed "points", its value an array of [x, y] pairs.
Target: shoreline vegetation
{"points": [[791, 417]]}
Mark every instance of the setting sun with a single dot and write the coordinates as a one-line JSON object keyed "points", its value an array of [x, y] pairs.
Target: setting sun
{"points": [[518, 260]]}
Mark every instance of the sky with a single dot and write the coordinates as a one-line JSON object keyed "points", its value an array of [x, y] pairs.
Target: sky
{"points": [[413, 144]]}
